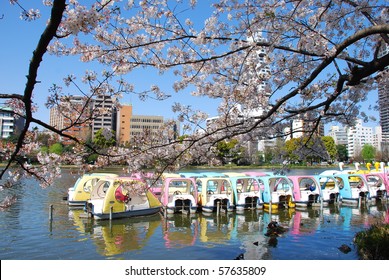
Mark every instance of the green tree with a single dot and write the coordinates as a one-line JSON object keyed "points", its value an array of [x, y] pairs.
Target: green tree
{"points": [[229, 151], [342, 152], [13, 138], [44, 139], [309, 149], [56, 148], [290, 149], [104, 138], [368, 152], [329, 143], [44, 149]]}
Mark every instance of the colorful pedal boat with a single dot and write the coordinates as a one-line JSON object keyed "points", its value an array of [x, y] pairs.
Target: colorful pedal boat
{"points": [[306, 190], [378, 185], [81, 190], [277, 192], [353, 188], [122, 197], [329, 189], [156, 183], [215, 192], [179, 195], [247, 194]]}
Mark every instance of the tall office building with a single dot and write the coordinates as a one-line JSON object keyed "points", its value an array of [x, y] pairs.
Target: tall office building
{"points": [[262, 71], [56, 118], [377, 138], [105, 114]]}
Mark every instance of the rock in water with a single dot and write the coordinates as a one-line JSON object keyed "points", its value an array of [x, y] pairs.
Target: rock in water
{"points": [[345, 249]]}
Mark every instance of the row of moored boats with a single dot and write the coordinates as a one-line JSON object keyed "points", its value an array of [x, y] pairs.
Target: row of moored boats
{"points": [[109, 196]]}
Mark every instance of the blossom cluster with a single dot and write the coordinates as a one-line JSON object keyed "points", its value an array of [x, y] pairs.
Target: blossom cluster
{"points": [[265, 62]]}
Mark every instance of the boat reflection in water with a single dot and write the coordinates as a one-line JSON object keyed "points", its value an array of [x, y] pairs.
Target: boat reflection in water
{"points": [[305, 222], [318, 232], [180, 230], [114, 237], [368, 215], [244, 229]]}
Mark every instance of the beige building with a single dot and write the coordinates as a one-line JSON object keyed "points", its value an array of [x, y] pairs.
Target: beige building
{"points": [[140, 124]]}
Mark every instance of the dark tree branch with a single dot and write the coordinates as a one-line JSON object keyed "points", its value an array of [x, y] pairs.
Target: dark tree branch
{"points": [[46, 37]]}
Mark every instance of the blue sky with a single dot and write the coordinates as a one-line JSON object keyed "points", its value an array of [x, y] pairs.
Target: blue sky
{"points": [[19, 39]]}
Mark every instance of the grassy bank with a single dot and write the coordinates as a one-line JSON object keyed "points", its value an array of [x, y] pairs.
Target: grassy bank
{"points": [[373, 244]]}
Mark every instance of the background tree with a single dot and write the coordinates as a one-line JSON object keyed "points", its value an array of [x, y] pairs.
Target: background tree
{"points": [[342, 153], [322, 55], [56, 148], [291, 147], [368, 152], [104, 138], [229, 151], [307, 149], [44, 139], [330, 146], [358, 153]]}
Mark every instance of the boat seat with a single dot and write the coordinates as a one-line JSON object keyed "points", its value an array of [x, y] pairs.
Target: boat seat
{"points": [[135, 200]]}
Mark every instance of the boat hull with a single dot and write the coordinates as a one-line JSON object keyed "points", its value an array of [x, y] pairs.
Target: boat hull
{"points": [[76, 203], [173, 210], [127, 214]]}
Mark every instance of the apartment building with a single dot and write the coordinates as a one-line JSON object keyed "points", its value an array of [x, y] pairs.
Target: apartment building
{"points": [[358, 136], [339, 134], [9, 123], [122, 121], [301, 126]]}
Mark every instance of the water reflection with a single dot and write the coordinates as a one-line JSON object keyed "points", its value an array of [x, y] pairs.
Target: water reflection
{"points": [[247, 230], [305, 222], [119, 235], [113, 238], [180, 230], [366, 216]]}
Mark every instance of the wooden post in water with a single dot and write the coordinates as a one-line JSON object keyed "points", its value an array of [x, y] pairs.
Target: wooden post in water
{"points": [[218, 208], [51, 212], [110, 212]]}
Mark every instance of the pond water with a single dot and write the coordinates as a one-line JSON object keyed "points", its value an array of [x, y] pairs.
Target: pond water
{"points": [[314, 234]]}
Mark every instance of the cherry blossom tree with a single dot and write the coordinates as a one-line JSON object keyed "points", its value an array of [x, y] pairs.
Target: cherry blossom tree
{"points": [[265, 62]]}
